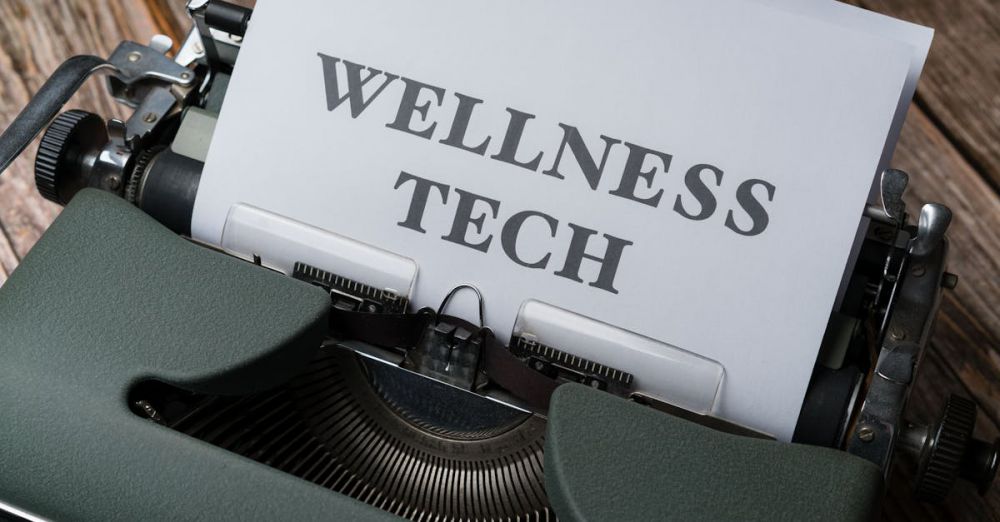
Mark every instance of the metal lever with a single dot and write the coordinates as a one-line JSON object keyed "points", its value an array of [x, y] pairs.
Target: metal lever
{"points": [[892, 185], [131, 64], [931, 227], [891, 189], [46, 104]]}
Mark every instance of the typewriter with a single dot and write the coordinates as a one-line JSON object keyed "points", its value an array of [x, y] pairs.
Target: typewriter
{"points": [[145, 375]]}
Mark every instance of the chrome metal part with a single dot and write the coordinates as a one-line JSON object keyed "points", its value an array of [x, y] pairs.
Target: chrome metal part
{"points": [[191, 50], [914, 304], [931, 228], [161, 43], [15, 514], [150, 82], [479, 296], [134, 69], [947, 451], [136, 63], [158, 103]]}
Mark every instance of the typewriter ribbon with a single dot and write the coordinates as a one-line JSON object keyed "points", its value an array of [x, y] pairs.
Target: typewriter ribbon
{"points": [[407, 330]]}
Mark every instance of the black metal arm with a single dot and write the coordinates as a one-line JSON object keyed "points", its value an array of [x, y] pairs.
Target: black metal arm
{"points": [[46, 104]]}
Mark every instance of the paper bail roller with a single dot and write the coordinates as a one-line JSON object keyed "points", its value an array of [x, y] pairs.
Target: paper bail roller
{"points": [[279, 243], [651, 367]]}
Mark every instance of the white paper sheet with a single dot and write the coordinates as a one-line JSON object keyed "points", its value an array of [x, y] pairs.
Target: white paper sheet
{"points": [[917, 37], [800, 102]]}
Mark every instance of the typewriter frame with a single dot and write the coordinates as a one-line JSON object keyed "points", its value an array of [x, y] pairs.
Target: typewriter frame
{"points": [[898, 299]]}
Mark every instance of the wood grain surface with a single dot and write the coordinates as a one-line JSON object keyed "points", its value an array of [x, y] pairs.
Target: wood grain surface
{"points": [[950, 146]]}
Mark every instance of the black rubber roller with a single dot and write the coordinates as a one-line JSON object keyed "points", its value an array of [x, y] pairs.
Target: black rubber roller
{"points": [[164, 185], [228, 17], [67, 140]]}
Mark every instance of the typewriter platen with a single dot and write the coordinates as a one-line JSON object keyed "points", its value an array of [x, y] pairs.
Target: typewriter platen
{"points": [[431, 417]]}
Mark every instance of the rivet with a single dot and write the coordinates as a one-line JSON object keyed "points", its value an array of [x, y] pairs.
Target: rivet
{"points": [[150, 117], [897, 334], [866, 434], [134, 56], [919, 271], [185, 76]]}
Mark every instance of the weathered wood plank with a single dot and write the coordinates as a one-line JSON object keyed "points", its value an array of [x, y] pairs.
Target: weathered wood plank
{"points": [[171, 18], [968, 325], [959, 87], [7, 258], [35, 37]]}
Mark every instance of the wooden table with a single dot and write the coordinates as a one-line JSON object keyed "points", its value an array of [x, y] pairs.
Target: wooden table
{"points": [[950, 146]]}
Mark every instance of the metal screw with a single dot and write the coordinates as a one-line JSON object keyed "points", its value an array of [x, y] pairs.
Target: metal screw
{"points": [[866, 434], [150, 117], [919, 271], [134, 56], [114, 182], [185, 76], [897, 334]]}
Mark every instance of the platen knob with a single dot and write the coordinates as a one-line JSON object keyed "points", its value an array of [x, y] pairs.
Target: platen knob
{"points": [[63, 153], [949, 452]]}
